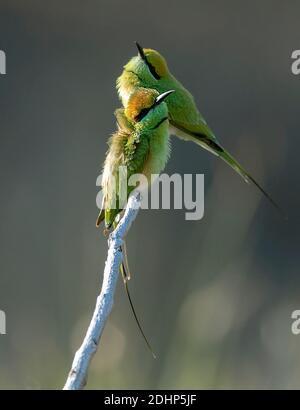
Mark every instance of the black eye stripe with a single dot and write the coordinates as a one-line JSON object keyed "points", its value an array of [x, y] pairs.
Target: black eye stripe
{"points": [[142, 114], [152, 69], [157, 101]]}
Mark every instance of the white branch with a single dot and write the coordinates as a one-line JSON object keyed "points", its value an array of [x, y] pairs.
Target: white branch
{"points": [[78, 375]]}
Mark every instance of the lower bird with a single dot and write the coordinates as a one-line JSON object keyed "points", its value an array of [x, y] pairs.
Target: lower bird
{"points": [[141, 146]]}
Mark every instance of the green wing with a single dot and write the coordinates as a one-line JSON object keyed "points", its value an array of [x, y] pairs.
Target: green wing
{"points": [[202, 135]]}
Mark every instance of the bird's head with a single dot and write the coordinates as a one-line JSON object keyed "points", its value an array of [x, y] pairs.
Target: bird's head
{"points": [[148, 65], [146, 108]]}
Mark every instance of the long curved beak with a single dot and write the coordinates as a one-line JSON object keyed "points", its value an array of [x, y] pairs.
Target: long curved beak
{"points": [[163, 96], [140, 51]]}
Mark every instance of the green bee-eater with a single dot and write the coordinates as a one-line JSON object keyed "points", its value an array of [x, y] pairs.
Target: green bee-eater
{"points": [[141, 144], [149, 69]]}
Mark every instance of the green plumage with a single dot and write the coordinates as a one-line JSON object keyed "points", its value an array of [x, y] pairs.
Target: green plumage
{"points": [[140, 146], [149, 70]]}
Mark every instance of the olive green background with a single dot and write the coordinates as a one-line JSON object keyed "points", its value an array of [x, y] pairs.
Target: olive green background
{"points": [[215, 296]]}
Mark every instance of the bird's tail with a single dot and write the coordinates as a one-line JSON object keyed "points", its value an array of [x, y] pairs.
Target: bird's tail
{"points": [[100, 218], [203, 136], [125, 272], [101, 215], [126, 275], [214, 147]]}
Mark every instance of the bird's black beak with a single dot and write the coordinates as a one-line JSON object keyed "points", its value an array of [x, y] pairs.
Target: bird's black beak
{"points": [[140, 51], [163, 96]]}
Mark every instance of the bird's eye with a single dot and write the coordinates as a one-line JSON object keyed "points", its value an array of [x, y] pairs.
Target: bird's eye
{"points": [[152, 69], [142, 114]]}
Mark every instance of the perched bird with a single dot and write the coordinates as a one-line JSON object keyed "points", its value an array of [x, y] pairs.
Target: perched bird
{"points": [[141, 144], [149, 70]]}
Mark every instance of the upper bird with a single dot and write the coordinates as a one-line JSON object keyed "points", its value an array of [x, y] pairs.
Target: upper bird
{"points": [[149, 70], [141, 144]]}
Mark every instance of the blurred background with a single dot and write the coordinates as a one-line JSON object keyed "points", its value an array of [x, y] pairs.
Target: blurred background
{"points": [[215, 296]]}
